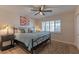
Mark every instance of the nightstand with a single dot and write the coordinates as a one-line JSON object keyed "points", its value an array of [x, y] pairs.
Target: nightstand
{"points": [[7, 42]]}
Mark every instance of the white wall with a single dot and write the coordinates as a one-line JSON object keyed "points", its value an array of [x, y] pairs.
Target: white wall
{"points": [[11, 15], [67, 28], [76, 27]]}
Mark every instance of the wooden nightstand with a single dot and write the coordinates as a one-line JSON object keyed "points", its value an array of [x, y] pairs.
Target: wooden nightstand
{"points": [[6, 42]]}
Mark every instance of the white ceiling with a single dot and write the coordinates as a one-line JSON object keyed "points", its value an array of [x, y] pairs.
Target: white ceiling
{"points": [[57, 9], [26, 9]]}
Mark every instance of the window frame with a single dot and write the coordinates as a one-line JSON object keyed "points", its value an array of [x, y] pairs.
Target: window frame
{"points": [[53, 25]]}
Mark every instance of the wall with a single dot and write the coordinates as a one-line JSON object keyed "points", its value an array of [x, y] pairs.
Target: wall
{"points": [[76, 27], [67, 27], [7, 18], [11, 15], [37, 24]]}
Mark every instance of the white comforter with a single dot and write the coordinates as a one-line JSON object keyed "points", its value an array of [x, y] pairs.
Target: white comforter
{"points": [[26, 38]]}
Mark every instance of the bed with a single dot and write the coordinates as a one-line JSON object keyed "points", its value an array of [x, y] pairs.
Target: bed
{"points": [[32, 40]]}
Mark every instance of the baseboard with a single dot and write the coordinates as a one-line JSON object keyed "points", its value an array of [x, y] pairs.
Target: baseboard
{"points": [[65, 42]]}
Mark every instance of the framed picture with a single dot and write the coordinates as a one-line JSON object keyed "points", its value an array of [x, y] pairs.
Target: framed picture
{"points": [[24, 21]]}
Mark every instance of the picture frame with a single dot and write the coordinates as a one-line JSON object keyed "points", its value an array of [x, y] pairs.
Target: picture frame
{"points": [[24, 21]]}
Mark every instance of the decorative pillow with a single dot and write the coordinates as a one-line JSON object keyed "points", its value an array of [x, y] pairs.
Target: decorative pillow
{"points": [[26, 30], [22, 31], [29, 30]]}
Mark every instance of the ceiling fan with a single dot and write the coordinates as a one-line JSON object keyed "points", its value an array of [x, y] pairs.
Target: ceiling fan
{"points": [[41, 10]]}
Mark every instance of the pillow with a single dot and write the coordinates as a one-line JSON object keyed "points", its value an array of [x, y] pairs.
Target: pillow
{"points": [[29, 30], [22, 31], [26, 30]]}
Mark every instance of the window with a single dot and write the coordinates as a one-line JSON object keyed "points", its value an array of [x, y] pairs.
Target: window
{"points": [[43, 26], [52, 26], [57, 26], [47, 26]]}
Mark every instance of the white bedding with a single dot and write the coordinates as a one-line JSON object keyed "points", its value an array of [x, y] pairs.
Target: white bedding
{"points": [[26, 38]]}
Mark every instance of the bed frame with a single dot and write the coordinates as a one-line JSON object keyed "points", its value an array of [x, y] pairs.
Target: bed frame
{"points": [[23, 46]]}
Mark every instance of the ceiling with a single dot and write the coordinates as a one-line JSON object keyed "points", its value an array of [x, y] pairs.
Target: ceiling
{"points": [[26, 9], [57, 9]]}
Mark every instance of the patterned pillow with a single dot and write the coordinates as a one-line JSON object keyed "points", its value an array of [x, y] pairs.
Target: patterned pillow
{"points": [[22, 31]]}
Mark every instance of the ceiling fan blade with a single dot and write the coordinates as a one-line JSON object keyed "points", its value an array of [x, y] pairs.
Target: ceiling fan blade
{"points": [[34, 9], [37, 13], [42, 7], [47, 11], [43, 13]]}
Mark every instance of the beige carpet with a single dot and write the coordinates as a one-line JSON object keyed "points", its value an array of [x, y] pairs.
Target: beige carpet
{"points": [[47, 48]]}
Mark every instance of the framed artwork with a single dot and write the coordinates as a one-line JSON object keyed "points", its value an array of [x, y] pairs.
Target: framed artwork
{"points": [[24, 21]]}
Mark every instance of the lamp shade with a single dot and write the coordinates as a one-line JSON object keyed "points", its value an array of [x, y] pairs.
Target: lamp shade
{"points": [[6, 30]]}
